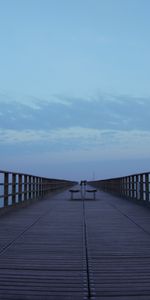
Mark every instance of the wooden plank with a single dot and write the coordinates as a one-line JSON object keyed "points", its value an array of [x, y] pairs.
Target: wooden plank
{"points": [[42, 250], [119, 241]]}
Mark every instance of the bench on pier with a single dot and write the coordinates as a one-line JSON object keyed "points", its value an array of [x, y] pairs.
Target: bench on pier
{"points": [[92, 192], [73, 192]]}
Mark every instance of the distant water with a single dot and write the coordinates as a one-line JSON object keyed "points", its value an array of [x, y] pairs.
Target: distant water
{"points": [[9, 198], [1, 199]]}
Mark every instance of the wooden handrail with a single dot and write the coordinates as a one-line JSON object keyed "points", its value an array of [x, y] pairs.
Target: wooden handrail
{"points": [[135, 186], [18, 187]]}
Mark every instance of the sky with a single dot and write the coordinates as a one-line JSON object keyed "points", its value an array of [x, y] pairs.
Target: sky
{"points": [[75, 87]]}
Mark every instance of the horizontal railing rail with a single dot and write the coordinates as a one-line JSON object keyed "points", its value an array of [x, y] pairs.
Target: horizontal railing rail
{"points": [[17, 188], [135, 186]]}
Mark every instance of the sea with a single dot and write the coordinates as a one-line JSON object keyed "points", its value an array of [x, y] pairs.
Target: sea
{"points": [[1, 199]]}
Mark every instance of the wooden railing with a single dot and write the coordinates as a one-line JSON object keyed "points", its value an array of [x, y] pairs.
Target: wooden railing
{"points": [[136, 186], [17, 188]]}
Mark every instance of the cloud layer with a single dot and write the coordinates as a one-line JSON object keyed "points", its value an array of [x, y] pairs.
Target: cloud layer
{"points": [[79, 138], [63, 129], [101, 112]]}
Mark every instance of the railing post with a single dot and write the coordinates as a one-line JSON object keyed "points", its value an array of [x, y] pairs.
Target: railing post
{"points": [[141, 187], [41, 186], [133, 188], [147, 186], [13, 189], [6, 184], [45, 185], [30, 187], [34, 187], [25, 187], [38, 186], [137, 187], [130, 187], [20, 188], [126, 187]]}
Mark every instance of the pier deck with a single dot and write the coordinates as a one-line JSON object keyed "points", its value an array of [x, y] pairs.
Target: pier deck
{"points": [[63, 249]]}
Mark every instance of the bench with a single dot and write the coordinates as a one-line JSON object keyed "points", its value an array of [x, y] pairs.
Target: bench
{"points": [[93, 192], [73, 192]]}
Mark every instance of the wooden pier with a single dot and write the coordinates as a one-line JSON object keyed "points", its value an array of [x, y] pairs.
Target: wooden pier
{"points": [[63, 249]]}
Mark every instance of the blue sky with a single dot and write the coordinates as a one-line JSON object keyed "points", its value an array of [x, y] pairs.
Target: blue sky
{"points": [[75, 87]]}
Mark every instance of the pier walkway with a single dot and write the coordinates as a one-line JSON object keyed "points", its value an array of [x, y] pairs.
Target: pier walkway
{"points": [[63, 249]]}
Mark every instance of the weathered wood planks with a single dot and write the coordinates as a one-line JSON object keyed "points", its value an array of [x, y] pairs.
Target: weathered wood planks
{"points": [[43, 255], [119, 241]]}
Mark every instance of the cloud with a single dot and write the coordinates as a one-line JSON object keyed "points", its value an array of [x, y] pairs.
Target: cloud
{"points": [[103, 112], [10, 136], [80, 138], [33, 102], [39, 133]]}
